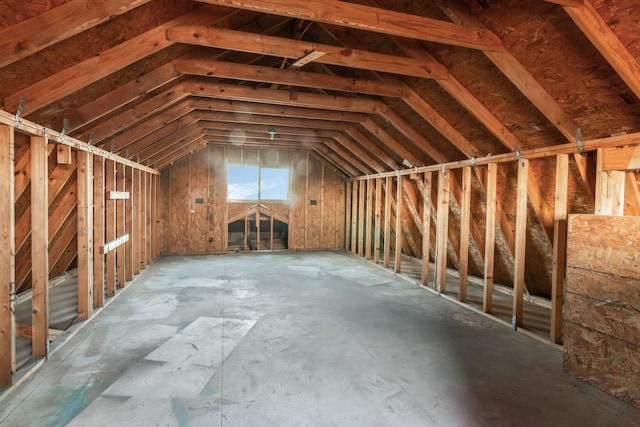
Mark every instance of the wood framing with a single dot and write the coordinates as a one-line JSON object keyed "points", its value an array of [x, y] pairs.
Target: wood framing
{"points": [[377, 221], [559, 246], [361, 217], [7, 259], [444, 185], [85, 234], [39, 247], [354, 216], [129, 209], [465, 218], [121, 224], [387, 223], [398, 226], [99, 228], [110, 228], [490, 235], [426, 226], [369, 220], [521, 243]]}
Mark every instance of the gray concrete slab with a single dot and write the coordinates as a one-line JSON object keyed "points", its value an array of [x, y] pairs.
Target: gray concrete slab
{"points": [[299, 339]]}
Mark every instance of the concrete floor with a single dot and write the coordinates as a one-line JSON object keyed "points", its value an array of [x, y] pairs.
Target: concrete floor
{"points": [[305, 339]]}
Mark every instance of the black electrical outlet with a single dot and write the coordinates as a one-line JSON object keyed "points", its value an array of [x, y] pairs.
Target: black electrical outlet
{"points": [[199, 200], [314, 202]]}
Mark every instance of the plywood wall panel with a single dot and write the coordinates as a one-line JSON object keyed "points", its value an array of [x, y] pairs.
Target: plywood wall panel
{"points": [[313, 204], [198, 192], [217, 213], [328, 206], [298, 201], [178, 207]]}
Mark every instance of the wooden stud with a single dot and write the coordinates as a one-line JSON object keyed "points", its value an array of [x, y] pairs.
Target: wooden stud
{"points": [[426, 226], [143, 221], [85, 234], [121, 225], [39, 247], [135, 236], [155, 221], [347, 216], [387, 223], [128, 207], [444, 191], [520, 244], [490, 237], [361, 219], [615, 192], [369, 219], [377, 219], [63, 154], [7, 258], [110, 227], [98, 230], [354, 217], [465, 218], [559, 246], [398, 228], [149, 227]]}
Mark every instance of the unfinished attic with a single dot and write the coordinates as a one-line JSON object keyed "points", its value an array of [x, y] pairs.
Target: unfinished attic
{"points": [[441, 163]]}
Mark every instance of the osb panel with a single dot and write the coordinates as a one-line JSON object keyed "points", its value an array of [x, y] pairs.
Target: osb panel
{"points": [[298, 201], [217, 203], [163, 193], [89, 43], [178, 207], [553, 49], [604, 243], [313, 213], [607, 317], [623, 17], [328, 208], [198, 189], [603, 287], [15, 11], [604, 361]]}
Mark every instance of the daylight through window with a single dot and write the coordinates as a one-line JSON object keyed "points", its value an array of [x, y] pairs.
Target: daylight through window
{"points": [[256, 183]]}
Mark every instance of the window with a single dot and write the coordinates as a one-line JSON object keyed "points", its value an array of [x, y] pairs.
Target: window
{"points": [[255, 183]]}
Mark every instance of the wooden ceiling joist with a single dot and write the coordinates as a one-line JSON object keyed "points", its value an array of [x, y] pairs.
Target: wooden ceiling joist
{"points": [[372, 19], [289, 77], [44, 30], [261, 44]]}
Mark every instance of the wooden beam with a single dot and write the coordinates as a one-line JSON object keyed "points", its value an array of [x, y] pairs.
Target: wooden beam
{"points": [[39, 247], [128, 206], [568, 3], [354, 217], [7, 258], [398, 227], [361, 217], [347, 216], [121, 225], [89, 71], [444, 186], [615, 192], [372, 19], [559, 246], [591, 23], [261, 44], [110, 228], [143, 221], [99, 210], [426, 226], [369, 219], [520, 244], [85, 234], [387, 223], [41, 31], [465, 219], [63, 153], [135, 236], [255, 73], [377, 221], [283, 97], [490, 237]]}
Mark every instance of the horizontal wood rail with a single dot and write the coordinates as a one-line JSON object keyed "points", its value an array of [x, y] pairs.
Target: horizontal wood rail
{"points": [[34, 129], [113, 244]]}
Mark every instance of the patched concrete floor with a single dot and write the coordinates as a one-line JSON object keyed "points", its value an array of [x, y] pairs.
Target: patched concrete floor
{"points": [[299, 339]]}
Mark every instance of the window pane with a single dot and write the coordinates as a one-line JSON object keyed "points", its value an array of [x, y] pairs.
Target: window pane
{"points": [[274, 184], [242, 182]]}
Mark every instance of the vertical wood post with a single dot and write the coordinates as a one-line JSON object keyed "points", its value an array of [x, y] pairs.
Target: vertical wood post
{"points": [[128, 206], [387, 223], [149, 227], [121, 226], [361, 213], [143, 221], [601, 185], [399, 199], [521, 244], [377, 219], [465, 217], [354, 217], [347, 217], [426, 226], [615, 192], [98, 230], [110, 226], [7, 258], [444, 182], [39, 247], [490, 237], [559, 246], [369, 219], [85, 234], [155, 225], [135, 237]]}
